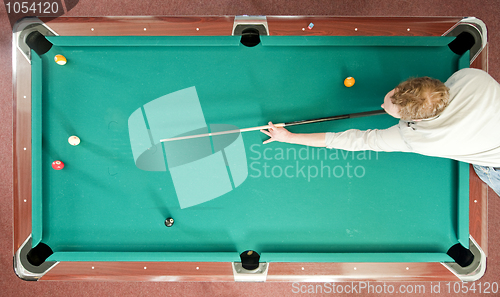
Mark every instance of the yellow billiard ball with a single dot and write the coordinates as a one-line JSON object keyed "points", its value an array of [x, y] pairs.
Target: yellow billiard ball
{"points": [[60, 59], [349, 82]]}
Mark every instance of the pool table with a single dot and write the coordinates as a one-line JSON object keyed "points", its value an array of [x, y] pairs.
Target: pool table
{"points": [[129, 206]]}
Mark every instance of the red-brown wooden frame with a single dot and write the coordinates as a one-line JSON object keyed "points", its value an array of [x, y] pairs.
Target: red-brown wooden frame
{"points": [[215, 271]]}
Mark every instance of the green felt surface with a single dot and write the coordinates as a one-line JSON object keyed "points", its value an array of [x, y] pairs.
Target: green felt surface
{"points": [[296, 202]]}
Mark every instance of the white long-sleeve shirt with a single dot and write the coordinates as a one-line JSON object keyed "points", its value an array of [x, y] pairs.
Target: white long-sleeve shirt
{"points": [[467, 130]]}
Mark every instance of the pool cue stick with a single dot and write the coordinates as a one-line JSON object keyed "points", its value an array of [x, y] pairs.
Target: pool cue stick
{"points": [[281, 125]]}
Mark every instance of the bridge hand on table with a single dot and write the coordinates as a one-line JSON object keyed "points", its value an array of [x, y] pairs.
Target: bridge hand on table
{"points": [[276, 134]]}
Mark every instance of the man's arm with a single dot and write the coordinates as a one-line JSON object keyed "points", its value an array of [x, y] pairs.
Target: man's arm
{"points": [[385, 140], [388, 140], [283, 135]]}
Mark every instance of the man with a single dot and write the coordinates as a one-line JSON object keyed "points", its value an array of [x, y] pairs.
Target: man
{"points": [[459, 119]]}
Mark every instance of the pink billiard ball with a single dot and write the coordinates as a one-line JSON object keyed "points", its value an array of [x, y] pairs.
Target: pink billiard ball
{"points": [[57, 165]]}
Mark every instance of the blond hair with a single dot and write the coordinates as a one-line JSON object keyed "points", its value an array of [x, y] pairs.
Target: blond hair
{"points": [[421, 98]]}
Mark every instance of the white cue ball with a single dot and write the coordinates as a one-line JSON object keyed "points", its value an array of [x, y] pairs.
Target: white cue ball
{"points": [[74, 140]]}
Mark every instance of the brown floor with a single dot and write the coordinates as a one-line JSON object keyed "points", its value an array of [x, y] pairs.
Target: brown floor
{"points": [[10, 285]]}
